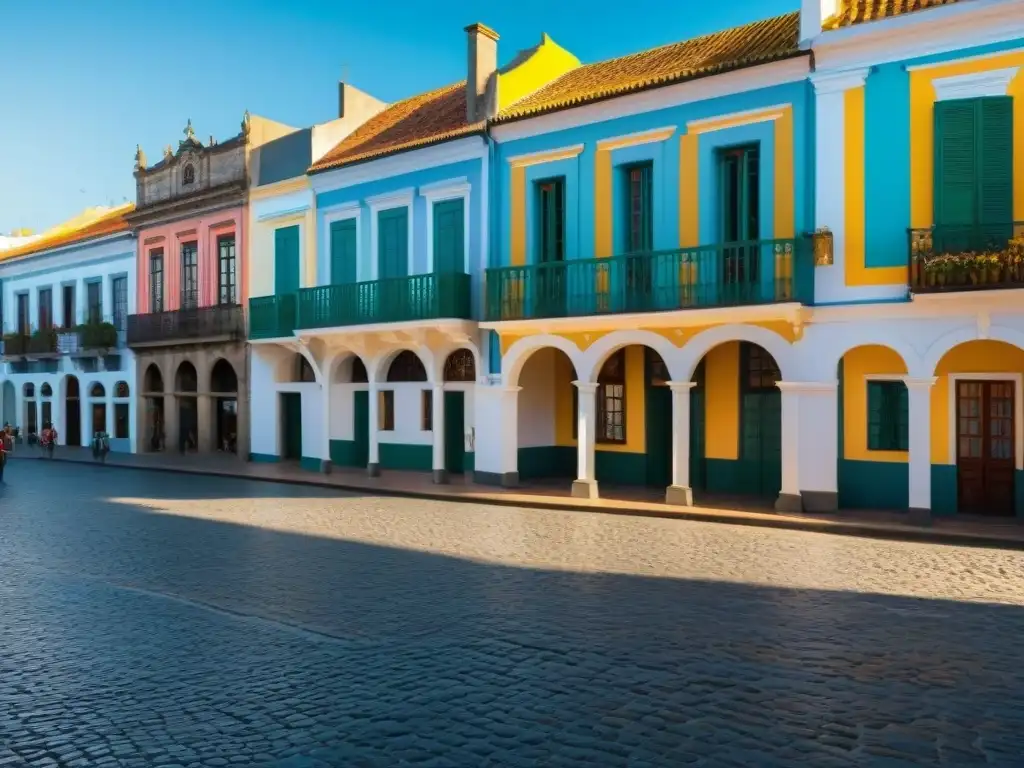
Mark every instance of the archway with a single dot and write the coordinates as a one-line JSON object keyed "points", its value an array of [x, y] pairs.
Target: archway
{"points": [[224, 386], [350, 412], [459, 369], [405, 412], [153, 396], [98, 408], [122, 412], [46, 405], [186, 387], [72, 412], [546, 416], [977, 429], [31, 426]]}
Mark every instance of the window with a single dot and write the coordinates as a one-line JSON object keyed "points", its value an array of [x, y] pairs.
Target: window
{"points": [[760, 371], [94, 301], [121, 389], [33, 420], [47, 411], [407, 367], [156, 280], [68, 302], [888, 416], [460, 366], [639, 210], [189, 275], [121, 420], [119, 289], [188, 176], [45, 307], [551, 204], [611, 400], [739, 190], [426, 410], [386, 404], [227, 280], [23, 323]]}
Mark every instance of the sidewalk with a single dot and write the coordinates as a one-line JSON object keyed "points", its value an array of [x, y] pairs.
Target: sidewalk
{"points": [[964, 531]]}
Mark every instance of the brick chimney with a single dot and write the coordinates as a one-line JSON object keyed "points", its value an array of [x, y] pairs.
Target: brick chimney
{"points": [[482, 64]]}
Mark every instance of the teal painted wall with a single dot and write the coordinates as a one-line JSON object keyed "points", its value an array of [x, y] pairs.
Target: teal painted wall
{"points": [[944, 489], [1018, 488], [619, 468], [417, 458], [343, 453], [264, 458], [310, 464], [882, 485], [547, 461], [887, 171]]}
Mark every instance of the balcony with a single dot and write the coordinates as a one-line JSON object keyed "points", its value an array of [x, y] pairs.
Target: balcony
{"points": [[271, 317], [720, 275], [393, 300], [971, 257], [182, 326], [29, 344], [95, 337]]}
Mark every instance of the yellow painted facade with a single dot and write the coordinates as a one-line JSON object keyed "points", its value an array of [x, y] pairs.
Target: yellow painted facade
{"points": [[859, 365], [261, 237], [722, 401], [548, 61]]}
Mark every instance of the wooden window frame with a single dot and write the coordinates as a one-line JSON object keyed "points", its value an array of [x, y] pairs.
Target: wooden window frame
{"points": [[611, 391], [386, 405], [190, 270], [45, 318], [156, 280], [639, 205], [227, 255], [94, 312], [427, 410]]}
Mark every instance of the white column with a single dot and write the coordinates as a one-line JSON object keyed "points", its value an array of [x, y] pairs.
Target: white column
{"points": [[325, 437], [496, 443], [920, 460], [817, 443], [373, 462], [437, 425], [789, 494], [585, 485], [679, 492]]}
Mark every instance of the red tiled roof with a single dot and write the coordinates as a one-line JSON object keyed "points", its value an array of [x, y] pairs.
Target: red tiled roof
{"points": [[860, 11], [108, 223]]}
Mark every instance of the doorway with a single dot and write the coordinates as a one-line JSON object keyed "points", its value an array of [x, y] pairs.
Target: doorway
{"points": [[99, 417], [72, 412], [760, 423], [551, 285], [739, 187], [188, 424], [361, 427], [455, 432], [291, 425], [227, 424], [985, 455]]}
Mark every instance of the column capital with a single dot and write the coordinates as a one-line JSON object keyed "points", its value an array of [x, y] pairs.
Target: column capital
{"points": [[681, 386], [839, 81], [437, 384], [807, 386], [588, 387], [925, 382]]}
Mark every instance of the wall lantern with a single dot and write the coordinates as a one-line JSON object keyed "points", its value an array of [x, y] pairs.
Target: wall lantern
{"points": [[824, 251]]}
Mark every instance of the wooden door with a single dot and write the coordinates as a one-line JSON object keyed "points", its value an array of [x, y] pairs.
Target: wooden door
{"points": [[291, 418], [455, 432], [286, 260], [551, 283], [986, 457], [449, 236], [344, 252], [361, 427]]}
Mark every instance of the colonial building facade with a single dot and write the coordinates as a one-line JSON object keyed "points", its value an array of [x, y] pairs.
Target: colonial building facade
{"points": [[65, 298]]}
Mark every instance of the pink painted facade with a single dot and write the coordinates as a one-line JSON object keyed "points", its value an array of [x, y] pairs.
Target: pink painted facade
{"points": [[204, 230]]}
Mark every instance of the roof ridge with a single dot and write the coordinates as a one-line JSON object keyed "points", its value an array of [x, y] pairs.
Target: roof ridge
{"points": [[109, 223]]}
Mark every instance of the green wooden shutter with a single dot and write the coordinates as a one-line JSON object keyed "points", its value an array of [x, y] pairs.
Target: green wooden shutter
{"points": [[956, 162], [902, 417], [552, 224], [995, 161], [393, 243], [343, 252], [286, 260], [876, 395], [449, 236]]}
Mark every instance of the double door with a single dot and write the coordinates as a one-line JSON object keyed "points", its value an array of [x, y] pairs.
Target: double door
{"points": [[985, 453]]}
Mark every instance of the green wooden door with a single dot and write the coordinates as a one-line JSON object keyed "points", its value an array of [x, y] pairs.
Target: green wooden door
{"points": [[291, 421], [698, 457], [636, 290], [343, 252], [449, 236], [551, 284], [393, 243], [659, 435], [455, 432], [361, 427], [739, 209], [286, 260], [761, 443]]}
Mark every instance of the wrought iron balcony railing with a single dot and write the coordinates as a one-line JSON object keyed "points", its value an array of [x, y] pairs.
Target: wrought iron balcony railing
{"points": [[967, 257], [720, 275], [271, 317], [392, 300], [184, 325]]}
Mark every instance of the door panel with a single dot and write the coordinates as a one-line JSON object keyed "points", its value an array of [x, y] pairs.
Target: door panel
{"points": [[361, 427], [291, 414], [286, 260], [986, 459], [393, 243], [343, 252], [659, 436], [449, 236], [455, 432]]}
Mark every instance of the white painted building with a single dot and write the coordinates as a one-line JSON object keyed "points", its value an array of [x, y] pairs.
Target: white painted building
{"points": [[65, 299]]}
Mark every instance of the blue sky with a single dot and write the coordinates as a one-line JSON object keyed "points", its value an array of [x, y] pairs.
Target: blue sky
{"points": [[82, 83]]}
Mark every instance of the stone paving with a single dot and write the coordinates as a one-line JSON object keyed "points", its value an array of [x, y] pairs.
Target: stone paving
{"points": [[151, 619]]}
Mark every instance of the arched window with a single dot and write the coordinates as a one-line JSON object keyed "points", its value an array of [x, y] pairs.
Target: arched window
{"points": [[97, 390], [121, 389], [760, 371], [71, 392], [187, 380], [46, 391], [460, 366], [188, 176], [359, 372], [154, 380], [303, 370], [223, 377], [29, 390], [611, 400], [407, 367]]}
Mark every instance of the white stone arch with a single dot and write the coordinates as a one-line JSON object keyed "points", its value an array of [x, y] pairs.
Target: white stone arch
{"points": [[595, 356], [378, 371], [777, 346], [303, 350], [442, 355], [335, 360], [88, 395], [513, 361], [828, 355], [944, 344]]}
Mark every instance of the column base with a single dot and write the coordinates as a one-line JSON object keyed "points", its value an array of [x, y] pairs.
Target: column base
{"points": [[499, 479], [820, 502], [325, 467], [679, 496], [919, 516], [441, 476], [789, 502], [584, 489], [373, 470]]}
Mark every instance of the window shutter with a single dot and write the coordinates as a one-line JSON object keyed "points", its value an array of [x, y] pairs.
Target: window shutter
{"points": [[956, 166], [343, 252], [646, 199], [876, 396], [995, 162], [903, 419]]}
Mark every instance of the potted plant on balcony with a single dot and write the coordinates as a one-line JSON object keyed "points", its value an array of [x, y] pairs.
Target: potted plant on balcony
{"points": [[14, 344], [43, 341], [98, 335]]}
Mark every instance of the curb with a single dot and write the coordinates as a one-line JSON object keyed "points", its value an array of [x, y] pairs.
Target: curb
{"points": [[813, 525]]}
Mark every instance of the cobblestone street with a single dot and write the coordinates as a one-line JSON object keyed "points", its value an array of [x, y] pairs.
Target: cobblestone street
{"points": [[171, 620]]}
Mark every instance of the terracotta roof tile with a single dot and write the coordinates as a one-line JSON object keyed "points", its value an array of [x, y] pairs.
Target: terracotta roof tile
{"points": [[108, 223], [861, 11], [417, 121], [756, 43]]}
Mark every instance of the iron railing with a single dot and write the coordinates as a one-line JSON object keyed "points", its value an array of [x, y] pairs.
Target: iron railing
{"points": [[392, 300], [966, 257], [720, 275], [183, 325], [272, 317]]}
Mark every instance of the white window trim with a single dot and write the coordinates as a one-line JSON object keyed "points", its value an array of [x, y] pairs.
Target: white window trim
{"points": [[400, 199], [994, 82], [341, 213], [452, 189], [1018, 410]]}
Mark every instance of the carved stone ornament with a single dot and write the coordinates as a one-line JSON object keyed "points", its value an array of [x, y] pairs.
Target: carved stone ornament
{"points": [[246, 119], [168, 152], [140, 158], [190, 135]]}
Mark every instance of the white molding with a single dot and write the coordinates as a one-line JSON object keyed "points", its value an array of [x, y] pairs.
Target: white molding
{"points": [[536, 158], [453, 189], [808, 386], [639, 138], [340, 213], [994, 82], [964, 60], [281, 214], [726, 84], [839, 81], [1018, 410], [458, 150], [395, 199], [756, 115], [350, 205]]}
